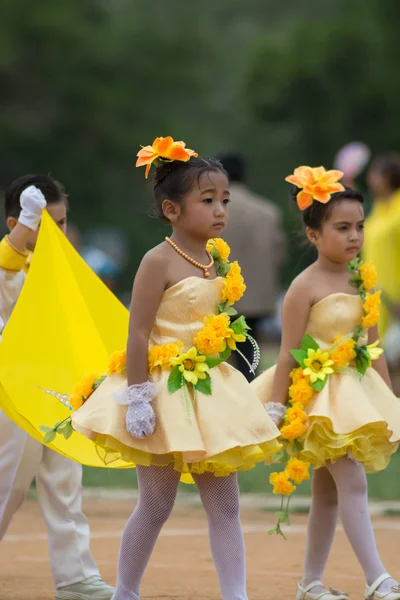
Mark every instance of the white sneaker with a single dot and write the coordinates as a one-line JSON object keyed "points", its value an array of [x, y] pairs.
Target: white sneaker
{"points": [[371, 593], [92, 588], [331, 594]]}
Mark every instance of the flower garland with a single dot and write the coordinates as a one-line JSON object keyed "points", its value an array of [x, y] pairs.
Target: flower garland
{"points": [[212, 345], [310, 377]]}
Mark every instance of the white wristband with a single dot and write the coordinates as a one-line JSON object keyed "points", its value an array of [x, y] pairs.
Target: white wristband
{"points": [[140, 392]]}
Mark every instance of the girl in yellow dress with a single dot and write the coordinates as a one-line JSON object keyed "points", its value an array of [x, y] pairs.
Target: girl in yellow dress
{"points": [[343, 417], [179, 408]]}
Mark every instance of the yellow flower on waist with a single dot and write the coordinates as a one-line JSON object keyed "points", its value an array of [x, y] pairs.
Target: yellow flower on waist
{"points": [[192, 365], [216, 335], [301, 391], [297, 374], [117, 362], [83, 390], [318, 365], [297, 470], [373, 350], [344, 353], [281, 484], [368, 275], [160, 355], [221, 247]]}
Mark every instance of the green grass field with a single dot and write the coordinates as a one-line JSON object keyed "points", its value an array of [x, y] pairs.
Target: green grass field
{"points": [[382, 486]]}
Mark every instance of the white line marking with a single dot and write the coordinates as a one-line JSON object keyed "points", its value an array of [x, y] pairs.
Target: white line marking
{"points": [[260, 528]]}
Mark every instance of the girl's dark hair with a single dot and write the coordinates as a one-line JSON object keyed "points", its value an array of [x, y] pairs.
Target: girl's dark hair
{"points": [[173, 180], [388, 165], [51, 189], [315, 215]]}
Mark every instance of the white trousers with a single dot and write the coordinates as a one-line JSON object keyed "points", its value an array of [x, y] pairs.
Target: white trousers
{"points": [[59, 489]]}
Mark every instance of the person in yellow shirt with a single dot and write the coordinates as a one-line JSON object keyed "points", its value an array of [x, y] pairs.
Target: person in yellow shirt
{"points": [[382, 233], [58, 479]]}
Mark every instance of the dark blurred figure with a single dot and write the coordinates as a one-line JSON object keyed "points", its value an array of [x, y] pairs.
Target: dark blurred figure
{"points": [[256, 238], [382, 246]]}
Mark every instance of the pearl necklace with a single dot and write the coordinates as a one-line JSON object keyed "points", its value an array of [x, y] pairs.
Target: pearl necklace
{"points": [[191, 260]]}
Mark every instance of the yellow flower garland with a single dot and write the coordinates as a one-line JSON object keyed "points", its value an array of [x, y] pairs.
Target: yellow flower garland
{"points": [[310, 377]]}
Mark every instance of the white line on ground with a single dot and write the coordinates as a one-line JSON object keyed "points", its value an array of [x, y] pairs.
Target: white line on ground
{"points": [[256, 528]]}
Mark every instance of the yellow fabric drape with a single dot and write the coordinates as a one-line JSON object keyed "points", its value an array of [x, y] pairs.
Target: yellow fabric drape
{"points": [[65, 324], [382, 246]]}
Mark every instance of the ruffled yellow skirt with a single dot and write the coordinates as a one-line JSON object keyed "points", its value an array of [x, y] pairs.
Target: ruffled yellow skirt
{"points": [[223, 433], [360, 418]]}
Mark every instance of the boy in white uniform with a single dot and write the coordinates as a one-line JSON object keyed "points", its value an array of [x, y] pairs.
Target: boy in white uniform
{"points": [[58, 479]]}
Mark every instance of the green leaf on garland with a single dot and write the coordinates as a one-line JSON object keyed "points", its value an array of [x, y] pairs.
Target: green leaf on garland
{"points": [[45, 428], [299, 356], [240, 326], [49, 437], [225, 354], [309, 342], [319, 385], [204, 385], [212, 361], [222, 268], [175, 380]]}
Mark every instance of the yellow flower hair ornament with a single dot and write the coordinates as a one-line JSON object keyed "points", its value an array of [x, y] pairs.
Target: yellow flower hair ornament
{"points": [[315, 183], [163, 149]]}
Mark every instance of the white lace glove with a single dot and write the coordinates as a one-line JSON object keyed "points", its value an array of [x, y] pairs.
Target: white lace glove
{"points": [[33, 204], [1, 328], [276, 411], [140, 417]]}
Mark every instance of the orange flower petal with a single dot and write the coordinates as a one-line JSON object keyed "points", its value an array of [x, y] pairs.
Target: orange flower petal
{"points": [[179, 153], [322, 197], [295, 180], [145, 155], [331, 176], [147, 170], [304, 200], [163, 145], [318, 173]]}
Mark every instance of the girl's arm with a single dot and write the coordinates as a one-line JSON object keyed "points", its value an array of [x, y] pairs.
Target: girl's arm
{"points": [[295, 311], [148, 288], [380, 365]]}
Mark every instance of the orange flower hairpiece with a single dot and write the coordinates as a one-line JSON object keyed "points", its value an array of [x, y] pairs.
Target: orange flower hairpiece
{"points": [[315, 184], [165, 150]]}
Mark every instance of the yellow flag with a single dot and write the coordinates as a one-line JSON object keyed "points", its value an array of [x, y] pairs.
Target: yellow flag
{"points": [[66, 324]]}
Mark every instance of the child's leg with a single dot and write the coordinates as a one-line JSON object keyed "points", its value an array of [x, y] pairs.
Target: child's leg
{"points": [[220, 498], [157, 493], [351, 484], [321, 527]]}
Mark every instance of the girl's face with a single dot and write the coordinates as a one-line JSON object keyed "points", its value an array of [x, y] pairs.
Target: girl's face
{"points": [[204, 212], [342, 235]]}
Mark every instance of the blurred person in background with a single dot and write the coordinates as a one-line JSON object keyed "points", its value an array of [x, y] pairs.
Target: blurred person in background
{"points": [[22, 458], [382, 246], [257, 241], [103, 265]]}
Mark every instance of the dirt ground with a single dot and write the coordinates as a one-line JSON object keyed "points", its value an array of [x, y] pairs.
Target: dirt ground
{"points": [[181, 567]]}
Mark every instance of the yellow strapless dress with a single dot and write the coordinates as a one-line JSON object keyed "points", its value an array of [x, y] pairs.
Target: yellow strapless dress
{"points": [[226, 432], [350, 416]]}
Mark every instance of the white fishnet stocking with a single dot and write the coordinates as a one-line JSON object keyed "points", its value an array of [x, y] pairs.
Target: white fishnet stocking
{"points": [[157, 493], [345, 482]]}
